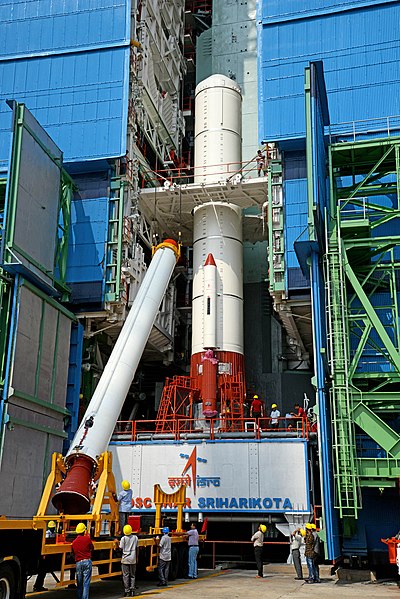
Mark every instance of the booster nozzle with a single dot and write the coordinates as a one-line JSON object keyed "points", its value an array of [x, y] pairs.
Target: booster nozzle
{"points": [[73, 496]]}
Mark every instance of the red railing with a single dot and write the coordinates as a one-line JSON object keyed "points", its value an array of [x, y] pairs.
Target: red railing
{"points": [[228, 170], [180, 428]]}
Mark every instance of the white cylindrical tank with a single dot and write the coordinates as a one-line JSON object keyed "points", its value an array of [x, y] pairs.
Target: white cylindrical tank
{"points": [[218, 231], [218, 129], [118, 374]]}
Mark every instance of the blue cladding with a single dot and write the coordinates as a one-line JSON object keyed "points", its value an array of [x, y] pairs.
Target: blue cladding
{"points": [[373, 358], [87, 242], [377, 520], [72, 72], [45, 26], [292, 9], [360, 49], [296, 215], [74, 383]]}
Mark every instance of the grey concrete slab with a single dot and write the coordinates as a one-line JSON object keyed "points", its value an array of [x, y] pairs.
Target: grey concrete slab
{"points": [[278, 583]]}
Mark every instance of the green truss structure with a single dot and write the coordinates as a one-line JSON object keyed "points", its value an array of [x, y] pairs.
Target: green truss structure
{"points": [[362, 275]]}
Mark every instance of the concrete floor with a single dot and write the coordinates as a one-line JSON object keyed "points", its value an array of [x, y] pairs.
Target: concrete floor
{"points": [[278, 583]]}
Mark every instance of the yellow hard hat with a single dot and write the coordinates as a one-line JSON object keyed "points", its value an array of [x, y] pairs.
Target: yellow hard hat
{"points": [[127, 529], [313, 527], [51, 524], [255, 396], [80, 528], [302, 532], [125, 485], [263, 528], [274, 405], [309, 526]]}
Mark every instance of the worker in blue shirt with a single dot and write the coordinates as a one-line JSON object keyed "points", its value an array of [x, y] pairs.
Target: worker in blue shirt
{"points": [[125, 504]]}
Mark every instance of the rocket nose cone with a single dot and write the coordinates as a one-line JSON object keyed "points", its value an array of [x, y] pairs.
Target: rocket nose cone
{"points": [[210, 261]]}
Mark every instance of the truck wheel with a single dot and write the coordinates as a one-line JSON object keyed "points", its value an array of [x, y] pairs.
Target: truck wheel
{"points": [[8, 585]]}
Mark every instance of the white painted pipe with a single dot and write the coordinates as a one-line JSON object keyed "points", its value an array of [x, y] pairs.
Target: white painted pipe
{"points": [[107, 401]]}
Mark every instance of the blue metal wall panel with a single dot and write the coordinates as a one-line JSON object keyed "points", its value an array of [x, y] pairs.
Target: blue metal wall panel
{"points": [[377, 520], [80, 99], [39, 27], [86, 252], [74, 383], [71, 69], [296, 216], [372, 358], [361, 54], [293, 9]]}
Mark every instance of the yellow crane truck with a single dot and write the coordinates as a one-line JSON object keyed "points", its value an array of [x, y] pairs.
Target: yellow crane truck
{"points": [[25, 550]]}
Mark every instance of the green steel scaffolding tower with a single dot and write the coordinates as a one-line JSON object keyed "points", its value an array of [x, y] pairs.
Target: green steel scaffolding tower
{"points": [[363, 285]]}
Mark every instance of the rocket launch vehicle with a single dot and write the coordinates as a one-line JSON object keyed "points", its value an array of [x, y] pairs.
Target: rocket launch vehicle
{"points": [[217, 308], [217, 305]]}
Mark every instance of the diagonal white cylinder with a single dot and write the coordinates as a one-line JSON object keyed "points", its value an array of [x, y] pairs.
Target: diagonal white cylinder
{"points": [[111, 391]]}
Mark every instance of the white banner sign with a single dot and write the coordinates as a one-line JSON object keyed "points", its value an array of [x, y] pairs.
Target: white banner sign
{"points": [[231, 476]]}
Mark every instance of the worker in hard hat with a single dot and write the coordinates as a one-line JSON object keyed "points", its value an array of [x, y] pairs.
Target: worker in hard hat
{"points": [[51, 530], [258, 542], [164, 557], [318, 550], [275, 414], [82, 548], [296, 541], [43, 565], [128, 544], [125, 504], [311, 555], [256, 408]]}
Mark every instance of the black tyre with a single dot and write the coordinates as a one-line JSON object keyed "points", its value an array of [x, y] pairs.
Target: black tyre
{"points": [[173, 568], [8, 584]]}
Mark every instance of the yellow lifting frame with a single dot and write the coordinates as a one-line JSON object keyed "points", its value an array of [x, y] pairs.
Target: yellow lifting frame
{"points": [[104, 495], [177, 499]]}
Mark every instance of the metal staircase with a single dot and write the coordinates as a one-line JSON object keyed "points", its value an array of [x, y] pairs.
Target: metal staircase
{"points": [[348, 496], [176, 405], [232, 393]]}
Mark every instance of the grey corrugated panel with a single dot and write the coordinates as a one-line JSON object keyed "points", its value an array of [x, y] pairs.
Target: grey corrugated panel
{"points": [[24, 485], [36, 424]]}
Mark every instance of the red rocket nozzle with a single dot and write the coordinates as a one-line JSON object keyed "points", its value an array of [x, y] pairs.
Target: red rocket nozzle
{"points": [[171, 241], [73, 496], [210, 261]]}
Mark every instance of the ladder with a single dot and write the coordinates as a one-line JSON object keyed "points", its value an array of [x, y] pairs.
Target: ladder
{"points": [[348, 496], [232, 394], [114, 243]]}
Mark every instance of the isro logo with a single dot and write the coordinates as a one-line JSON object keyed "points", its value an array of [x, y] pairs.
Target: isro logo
{"points": [[189, 476]]}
